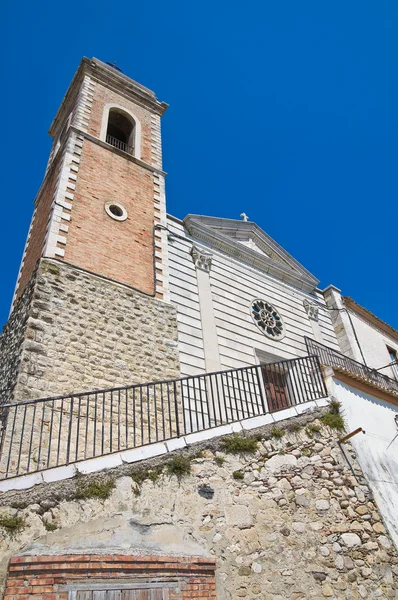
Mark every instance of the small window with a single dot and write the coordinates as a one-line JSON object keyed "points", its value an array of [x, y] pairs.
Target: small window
{"points": [[116, 211], [120, 132], [394, 359]]}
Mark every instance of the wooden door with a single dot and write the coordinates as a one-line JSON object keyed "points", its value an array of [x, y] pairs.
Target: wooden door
{"points": [[275, 383], [146, 593]]}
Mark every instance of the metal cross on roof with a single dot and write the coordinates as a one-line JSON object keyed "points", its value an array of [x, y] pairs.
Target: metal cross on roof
{"points": [[114, 66]]}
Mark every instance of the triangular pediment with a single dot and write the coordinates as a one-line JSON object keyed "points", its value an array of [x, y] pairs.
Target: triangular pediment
{"points": [[248, 243]]}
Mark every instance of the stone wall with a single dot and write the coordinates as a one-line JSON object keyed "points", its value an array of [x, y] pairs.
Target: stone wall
{"points": [[84, 333], [11, 340], [295, 520]]}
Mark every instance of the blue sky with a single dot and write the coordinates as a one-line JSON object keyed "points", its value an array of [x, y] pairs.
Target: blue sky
{"points": [[285, 110]]}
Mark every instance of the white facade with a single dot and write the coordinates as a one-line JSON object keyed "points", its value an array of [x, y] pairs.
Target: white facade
{"points": [[215, 326], [217, 268], [361, 334]]}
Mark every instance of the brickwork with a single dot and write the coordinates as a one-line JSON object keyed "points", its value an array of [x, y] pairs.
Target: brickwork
{"points": [[104, 96], [44, 577], [70, 222], [122, 251], [38, 228]]}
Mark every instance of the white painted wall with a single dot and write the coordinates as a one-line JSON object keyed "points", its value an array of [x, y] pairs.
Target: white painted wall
{"points": [[374, 344], [377, 450], [234, 285]]}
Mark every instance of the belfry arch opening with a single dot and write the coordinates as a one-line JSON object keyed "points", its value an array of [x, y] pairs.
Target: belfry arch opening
{"points": [[120, 131]]}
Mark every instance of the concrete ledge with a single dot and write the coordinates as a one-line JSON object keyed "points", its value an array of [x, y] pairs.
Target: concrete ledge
{"points": [[207, 434], [175, 444], [21, 483], [101, 462], [258, 421], [287, 413], [322, 402], [302, 408], [130, 456], [59, 473]]}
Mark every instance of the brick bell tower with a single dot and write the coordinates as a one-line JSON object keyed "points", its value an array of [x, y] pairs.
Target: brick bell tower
{"points": [[91, 302]]}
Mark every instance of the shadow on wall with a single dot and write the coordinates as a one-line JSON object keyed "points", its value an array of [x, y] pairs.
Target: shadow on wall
{"points": [[377, 450]]}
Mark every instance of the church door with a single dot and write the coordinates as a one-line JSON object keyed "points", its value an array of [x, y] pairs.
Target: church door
{"points": [[275, 382]]}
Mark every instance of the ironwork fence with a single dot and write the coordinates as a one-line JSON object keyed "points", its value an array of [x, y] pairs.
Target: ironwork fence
{"points": [[51, 432], [332, 358], [120, 145]]}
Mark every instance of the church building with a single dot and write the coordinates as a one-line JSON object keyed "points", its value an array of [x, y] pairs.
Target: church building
{"points": [[184, 413]]}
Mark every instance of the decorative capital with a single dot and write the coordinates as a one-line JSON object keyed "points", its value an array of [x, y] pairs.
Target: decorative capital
{"points": [[201, 259], [311, 309]]}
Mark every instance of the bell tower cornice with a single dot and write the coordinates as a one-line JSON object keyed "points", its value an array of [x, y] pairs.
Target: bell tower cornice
{"points": [[113, 80]]}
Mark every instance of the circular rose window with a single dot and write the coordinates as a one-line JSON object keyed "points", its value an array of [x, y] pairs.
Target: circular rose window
{"points": [[267, 319]]}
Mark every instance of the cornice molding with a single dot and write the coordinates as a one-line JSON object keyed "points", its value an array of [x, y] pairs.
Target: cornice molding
{"points": [[216, 239], [250, 230], [125, 155], [365, 386], [94, 140], [113, 80], [370, 317]]}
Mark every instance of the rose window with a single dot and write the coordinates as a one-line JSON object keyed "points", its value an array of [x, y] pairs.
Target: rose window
{"points": [[267, 319]]}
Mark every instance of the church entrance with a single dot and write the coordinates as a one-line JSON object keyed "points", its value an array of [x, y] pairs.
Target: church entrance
{"points": [[275, 383]]}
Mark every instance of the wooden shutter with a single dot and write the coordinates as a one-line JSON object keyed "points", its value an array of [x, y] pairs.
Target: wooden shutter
{"points": [[125, 594]]}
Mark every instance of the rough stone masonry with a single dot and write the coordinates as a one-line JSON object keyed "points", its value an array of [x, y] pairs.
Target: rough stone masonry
{"points": [[293, 520], [72, 331]]}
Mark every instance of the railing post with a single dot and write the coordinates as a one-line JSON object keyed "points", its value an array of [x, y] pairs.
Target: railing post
{"points": [[176, 408], [260, 389]]}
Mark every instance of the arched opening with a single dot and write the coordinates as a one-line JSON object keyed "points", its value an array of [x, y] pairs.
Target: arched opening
{"points": [[120, 132]]}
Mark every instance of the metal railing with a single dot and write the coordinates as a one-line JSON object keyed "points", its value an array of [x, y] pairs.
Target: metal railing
{"points": [[338, 361], [120, 145], [52, 432]]}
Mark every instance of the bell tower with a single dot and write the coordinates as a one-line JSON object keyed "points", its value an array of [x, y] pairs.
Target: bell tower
{"points": [[91, 302], [102, 197]]}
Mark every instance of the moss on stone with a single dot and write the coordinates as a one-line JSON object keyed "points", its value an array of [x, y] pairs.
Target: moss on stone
{"points": [[219, 460], [334, 421], [237, 475], [140, 475], [49, 526], [277, 432], [334, 406], [312, 428], [238, 444], [179, 465], [19, 505], [94, 489], [12, 525]]}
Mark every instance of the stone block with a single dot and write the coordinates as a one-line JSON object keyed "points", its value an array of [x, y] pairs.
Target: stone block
{"points": [[238, 515]]}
